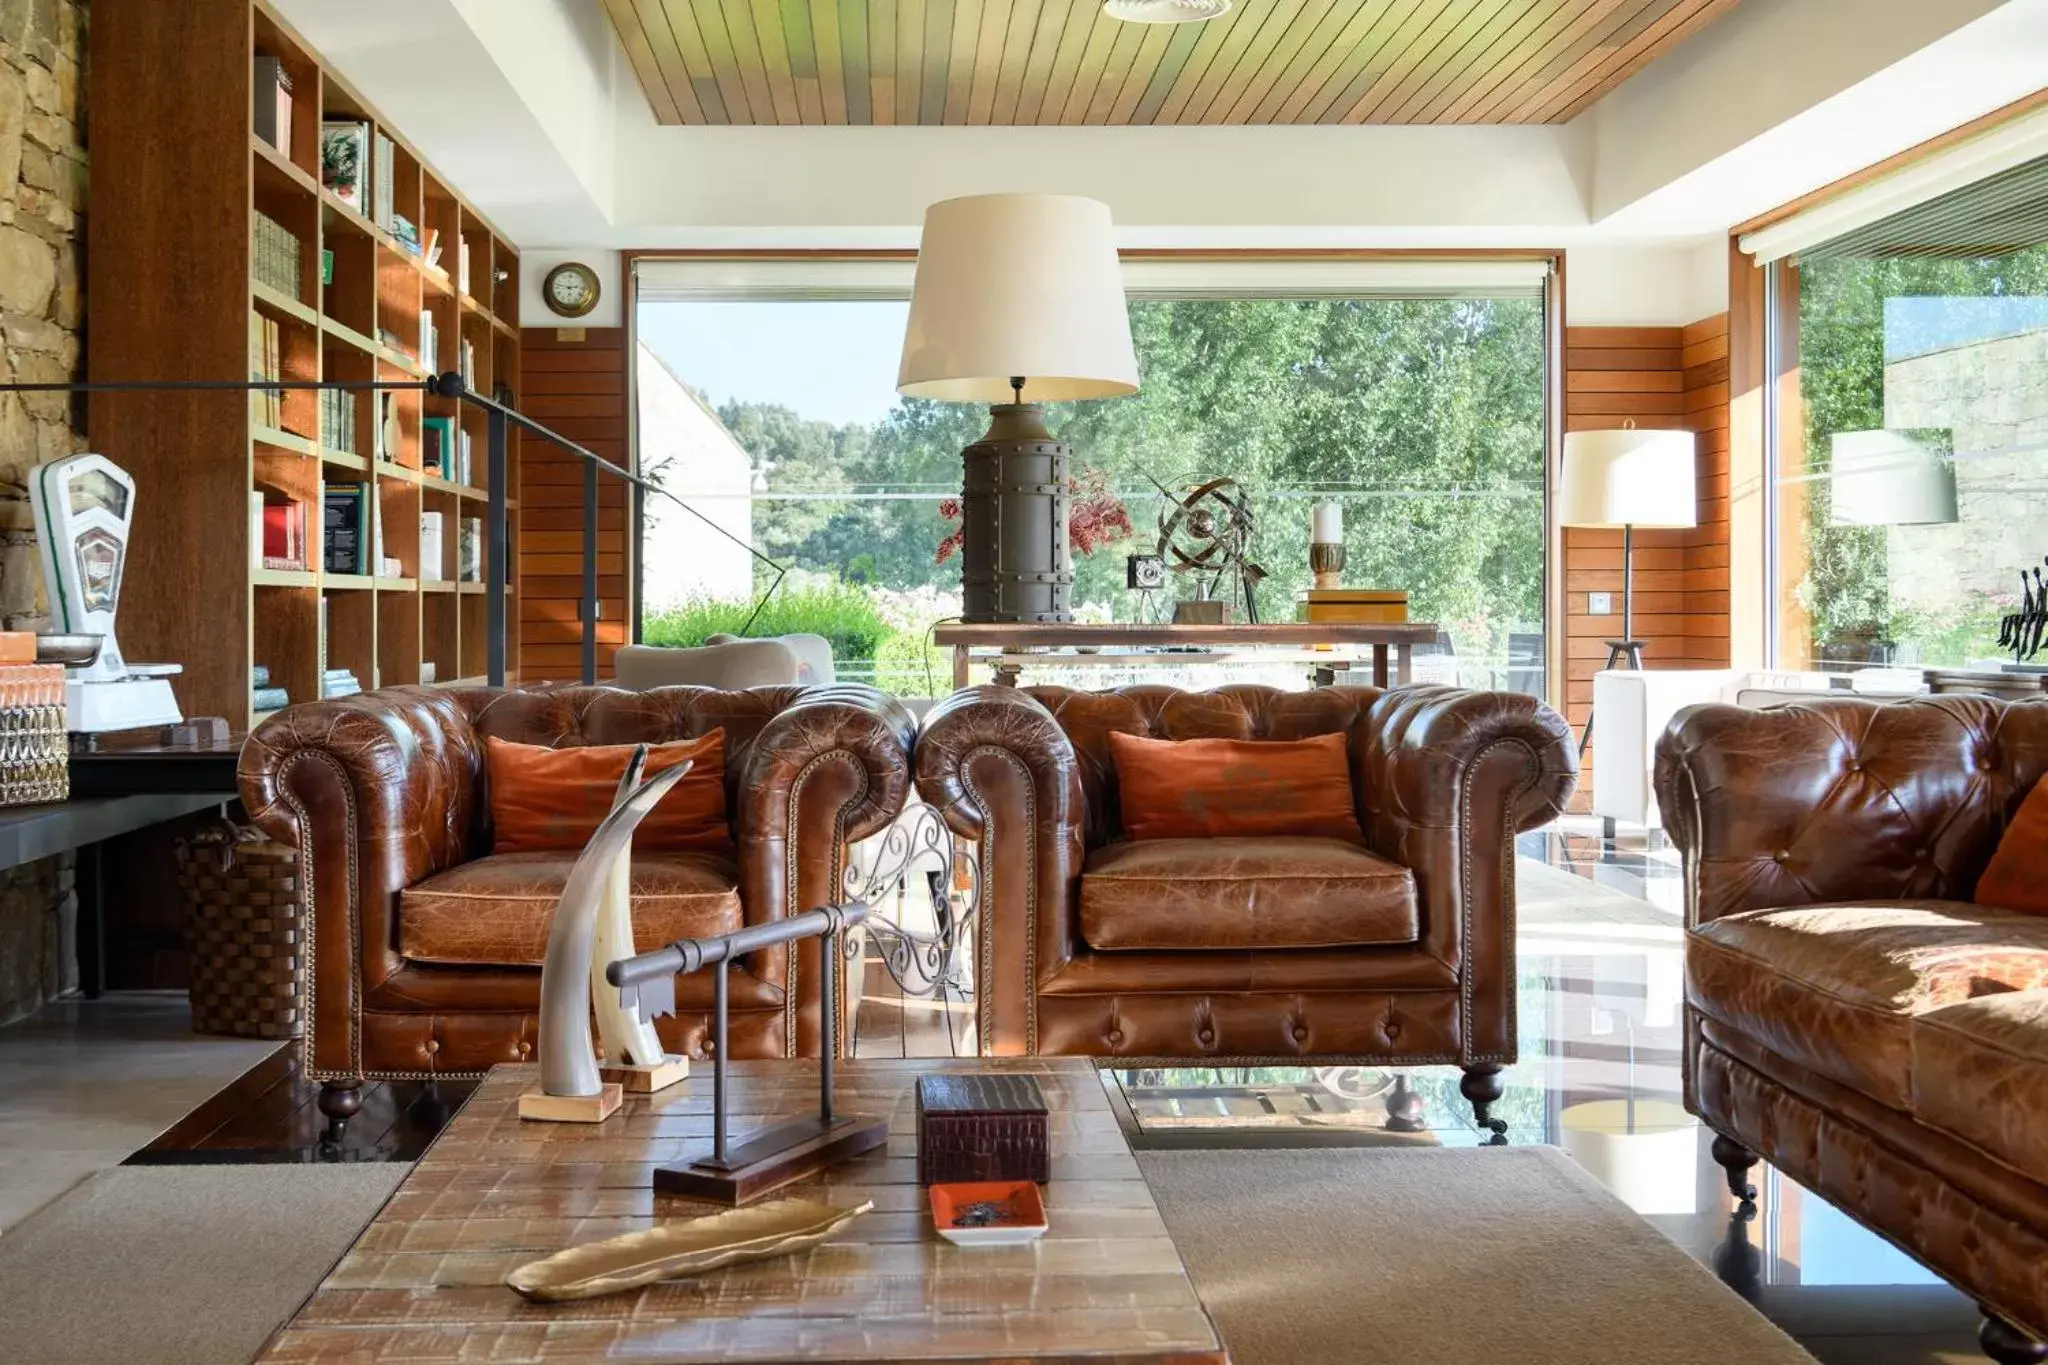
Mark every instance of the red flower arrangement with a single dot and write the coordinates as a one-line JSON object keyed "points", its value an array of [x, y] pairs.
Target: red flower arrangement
{"points": [[1096, 517]]}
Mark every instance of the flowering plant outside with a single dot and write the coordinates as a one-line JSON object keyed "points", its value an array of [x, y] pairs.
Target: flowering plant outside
{"points": [[1096, 517]]}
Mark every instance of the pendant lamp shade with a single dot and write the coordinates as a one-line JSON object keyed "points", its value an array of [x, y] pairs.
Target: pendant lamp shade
{"points": [[1017, 286], [1628, 477]]}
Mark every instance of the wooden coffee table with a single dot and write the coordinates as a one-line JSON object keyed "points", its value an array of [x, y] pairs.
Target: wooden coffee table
{"points": [[424, 1283]]}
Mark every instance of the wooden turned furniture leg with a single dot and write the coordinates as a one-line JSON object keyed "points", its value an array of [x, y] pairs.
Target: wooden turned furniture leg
{"points": [[339, 1100], [1735, 1160], [1483, 1086], [2007, 1344]]}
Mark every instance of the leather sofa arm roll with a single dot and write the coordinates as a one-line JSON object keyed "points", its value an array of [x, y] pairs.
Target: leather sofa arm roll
{"points": [[1003, 773], [830, 769], [1445, 778], [1843, 799], [376, 791]]}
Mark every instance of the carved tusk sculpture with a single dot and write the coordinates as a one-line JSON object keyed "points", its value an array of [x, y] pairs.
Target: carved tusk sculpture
{"points": [[596, 903]]}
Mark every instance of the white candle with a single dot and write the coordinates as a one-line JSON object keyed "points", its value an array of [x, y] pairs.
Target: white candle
{"points": [[1329, 524]]}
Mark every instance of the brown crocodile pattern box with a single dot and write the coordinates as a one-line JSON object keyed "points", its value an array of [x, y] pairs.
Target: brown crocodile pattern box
{"points": [[981, 1127]]}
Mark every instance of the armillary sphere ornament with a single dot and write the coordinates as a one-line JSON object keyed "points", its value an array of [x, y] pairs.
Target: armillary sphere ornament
{"points": [[1206, 531]]}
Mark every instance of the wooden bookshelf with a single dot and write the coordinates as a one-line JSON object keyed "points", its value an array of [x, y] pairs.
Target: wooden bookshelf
{"points": [[180, 175]]}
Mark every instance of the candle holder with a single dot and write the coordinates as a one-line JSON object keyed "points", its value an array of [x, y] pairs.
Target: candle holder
{"points": [[1326, 561]]}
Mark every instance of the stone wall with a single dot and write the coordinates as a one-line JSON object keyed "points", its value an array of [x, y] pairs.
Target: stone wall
{"points": [[42, 309]]}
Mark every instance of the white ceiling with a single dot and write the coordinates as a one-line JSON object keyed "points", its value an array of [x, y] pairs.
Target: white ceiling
{"points": [[530, 108]]}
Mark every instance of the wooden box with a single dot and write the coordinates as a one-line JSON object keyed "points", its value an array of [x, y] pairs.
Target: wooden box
{"points": [[981, 1127], [1372, 606]]}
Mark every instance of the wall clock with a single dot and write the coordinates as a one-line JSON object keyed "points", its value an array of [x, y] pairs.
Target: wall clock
{"points": [[571, 289]]}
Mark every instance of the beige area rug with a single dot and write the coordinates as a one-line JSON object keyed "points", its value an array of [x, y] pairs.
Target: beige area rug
{"points": [[179, 1265], [1442, 1257], [1550, 898]]}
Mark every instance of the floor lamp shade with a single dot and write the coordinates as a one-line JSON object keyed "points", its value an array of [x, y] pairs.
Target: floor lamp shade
{"points": [[1018, 302], [1886, 478], [1628, 477]]}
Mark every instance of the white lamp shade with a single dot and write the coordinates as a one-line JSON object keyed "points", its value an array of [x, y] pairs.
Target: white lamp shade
{"points": [[1628, 477], [1886, 478], [1017, 285]]}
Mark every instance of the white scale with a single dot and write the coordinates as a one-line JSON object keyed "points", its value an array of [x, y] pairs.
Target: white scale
{"points": [[84, 506]]}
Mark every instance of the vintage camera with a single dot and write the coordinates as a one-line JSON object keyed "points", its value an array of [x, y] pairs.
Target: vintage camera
{"points": [[1144, 573]]}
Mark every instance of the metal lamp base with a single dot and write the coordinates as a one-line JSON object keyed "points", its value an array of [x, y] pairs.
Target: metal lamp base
{"points": [[1016, 564]]}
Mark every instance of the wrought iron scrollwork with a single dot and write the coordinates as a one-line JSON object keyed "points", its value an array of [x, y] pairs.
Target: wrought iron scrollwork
{"points": [[920, 963]]}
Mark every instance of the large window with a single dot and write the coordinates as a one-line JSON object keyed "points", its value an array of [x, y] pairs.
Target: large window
{"points": [[1423, 416], [1912, 448]]}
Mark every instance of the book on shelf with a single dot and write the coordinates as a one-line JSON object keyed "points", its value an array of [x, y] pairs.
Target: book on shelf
{"points": [[384, 181], [320, 635], [429, 342], [344, 527], [375, 552], [345, 161], [269, 699], [462, 264], [273, 102], [339, 682], [266, 406], [430, 547], [390, 431], [276, 255], [280, 531], [429, 671], [437, 445], [406, 233], [259, 675], [431, 252], [462, 449], [338, 420], [469, 564], [468, 356]]}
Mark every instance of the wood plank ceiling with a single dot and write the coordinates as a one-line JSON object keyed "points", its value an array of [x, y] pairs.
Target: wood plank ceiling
{"points": [[1051, 62]]}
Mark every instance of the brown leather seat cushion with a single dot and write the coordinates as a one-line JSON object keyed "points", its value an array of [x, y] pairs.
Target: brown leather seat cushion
{"points": [[496, 911], [1836, 987], [1980, 1073], [1275, 892]]}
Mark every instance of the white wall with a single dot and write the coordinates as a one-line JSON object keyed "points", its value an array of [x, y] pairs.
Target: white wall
{"points": [[681, 557], [1646, 286]]}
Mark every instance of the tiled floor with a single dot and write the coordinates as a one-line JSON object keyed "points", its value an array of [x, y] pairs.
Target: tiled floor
{"points": [[1601, 981]]}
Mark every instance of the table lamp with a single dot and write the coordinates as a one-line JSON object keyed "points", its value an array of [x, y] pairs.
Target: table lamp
{"points": [[1627, 477], [1018, 302]]}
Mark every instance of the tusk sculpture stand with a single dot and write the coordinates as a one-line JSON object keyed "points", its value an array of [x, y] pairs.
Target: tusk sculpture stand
{"points": [[594, 925]]}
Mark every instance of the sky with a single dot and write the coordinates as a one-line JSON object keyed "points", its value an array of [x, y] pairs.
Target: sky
{"points": [[834, 361]]}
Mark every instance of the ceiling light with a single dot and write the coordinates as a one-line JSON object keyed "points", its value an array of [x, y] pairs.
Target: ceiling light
{"points": [[1165, 11]]}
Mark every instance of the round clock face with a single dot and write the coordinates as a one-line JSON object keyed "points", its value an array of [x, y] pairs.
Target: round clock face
{"points": [[572, 290]]}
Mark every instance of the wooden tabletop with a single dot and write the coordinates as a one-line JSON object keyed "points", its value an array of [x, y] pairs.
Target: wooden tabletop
{"points": [[1007, 634], [423, 1283]]}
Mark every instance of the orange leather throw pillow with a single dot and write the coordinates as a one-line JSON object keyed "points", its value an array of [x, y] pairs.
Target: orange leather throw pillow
{"points": [[544, 798], [2018, 876], [1206, 788]]}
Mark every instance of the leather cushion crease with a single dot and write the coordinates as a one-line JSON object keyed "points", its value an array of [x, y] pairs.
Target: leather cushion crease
{"points": [[1866, 1005], [1230, 892]]}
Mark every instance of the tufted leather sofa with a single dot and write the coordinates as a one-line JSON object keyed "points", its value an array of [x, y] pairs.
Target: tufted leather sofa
{"points": [[425, 947], [1851, 1016], [1269, 950]]}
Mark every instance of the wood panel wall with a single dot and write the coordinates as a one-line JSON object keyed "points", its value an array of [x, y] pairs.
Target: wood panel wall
{"points": [[574, 380], [1660, 377]]}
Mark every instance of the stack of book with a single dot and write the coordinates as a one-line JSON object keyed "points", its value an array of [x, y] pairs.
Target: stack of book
{"points": [[266, 406], [279, 529], [273, 102], [278, 256], [338, 420], [262, 696], [339, 682], [345, 528]]}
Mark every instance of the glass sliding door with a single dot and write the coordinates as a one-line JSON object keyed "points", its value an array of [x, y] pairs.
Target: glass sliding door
{"points": [[1912, 463], [1422, 414]]}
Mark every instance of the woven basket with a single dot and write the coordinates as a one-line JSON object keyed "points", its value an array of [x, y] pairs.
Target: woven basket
{"points": [[244, 921]]}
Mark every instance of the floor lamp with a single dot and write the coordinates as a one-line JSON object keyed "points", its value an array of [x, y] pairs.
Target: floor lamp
{"points": [[1627, 477]]}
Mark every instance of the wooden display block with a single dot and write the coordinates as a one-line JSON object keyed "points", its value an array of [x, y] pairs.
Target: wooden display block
{"points": [[646, 1080], [543, 1107], [772, 1158]]}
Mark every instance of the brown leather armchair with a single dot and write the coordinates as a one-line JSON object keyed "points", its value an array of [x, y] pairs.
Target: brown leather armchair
{"points": [[1400, 951], [424, 947], [1851, 1015]]}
